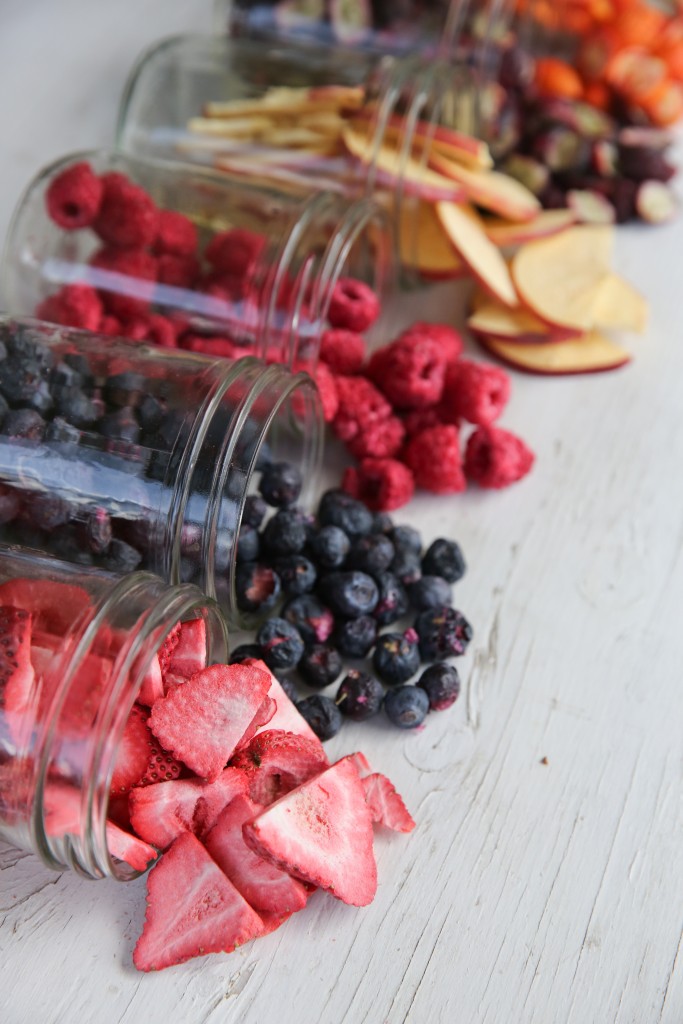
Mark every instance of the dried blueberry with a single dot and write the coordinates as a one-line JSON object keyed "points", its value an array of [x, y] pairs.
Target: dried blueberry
{"points": [[406, 538], [255, 510], [248, 544], [121, 425], [373, 553], [61, 431], [314, 621], [320, 665], [406, 706], [359, 696], [337, 508], [10, 503], [285, 532], [257, 587], [280, 643], [443, 632], [122, 557], [355, 637], [396, 657], [393, 599], [19, 380], [124, 389], [329, 547], [98, 530], [66, 543], [25, 423], [289, 686], [243, 652], [150, 413], [429, 592], [47, 511], [75, 406], [297, 575], [280, 484], [406, 566], [441, 683], [444, 558], [349, 593], [322, 714]]}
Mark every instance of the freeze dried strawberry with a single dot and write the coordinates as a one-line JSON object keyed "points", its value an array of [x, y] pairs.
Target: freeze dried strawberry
{"points": [[477, 392], [353, 305], [361, 762], [17, 675], [165, 652], [74, 305], [264, 886], [176, 234], [192, 909], [266, 710], [202, 721], [495, 458], [360, 406], [379, 440], [73, 197], [133, 754], [152, 684], [382, 484], [61, 809], [286, 717], [434, 457], [321, 832], [189, 652], [161, 767], [410, 371], [343, 351], [128, 848], [386, 806], [276, 762], [162, 812], [127, 218], [447, 338], [235, 252]]}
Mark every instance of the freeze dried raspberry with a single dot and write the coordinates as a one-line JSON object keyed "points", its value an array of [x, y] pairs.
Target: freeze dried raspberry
{"points": [[382, 484], [208, 346], [410, 371], [447, 338], [477, 392], [379, 440], [360, 405], [74, 305], [161, 331], [135, 328], [176, 234], [434, 457], [227, 287], [111, 326], [495, 458], [177, 271], [127, 217], [353, 305], [417, 420], [73, 198], [235, 252], [126, 280], [343, 351], [327, 388]]}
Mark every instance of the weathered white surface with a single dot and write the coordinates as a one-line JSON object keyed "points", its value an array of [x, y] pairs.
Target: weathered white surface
{"points": [[528, 893]]}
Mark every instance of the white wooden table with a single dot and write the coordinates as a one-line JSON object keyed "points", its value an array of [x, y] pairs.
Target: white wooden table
{"points": [[529, 892]]}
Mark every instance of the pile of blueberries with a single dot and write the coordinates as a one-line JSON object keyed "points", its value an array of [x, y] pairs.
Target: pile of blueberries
{"points": [[335, 582]]}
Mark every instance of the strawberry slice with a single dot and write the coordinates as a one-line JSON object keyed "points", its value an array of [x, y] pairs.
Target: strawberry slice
{"points": [[321, 832], [264, 887], [386, 806], [61, 809], [128, 848], [277, 762], [140, 761], [152, 686], [54, 606], [202, 721], [187, 655], [361, 762], [262, 717], [17, 676], [161, 813], [192, 909], [165, 652], [286, 718]]}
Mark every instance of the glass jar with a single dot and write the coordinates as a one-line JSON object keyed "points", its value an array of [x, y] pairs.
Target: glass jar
{"points": [[178, 256], [82, 643], [308, 117], [129, 457]]}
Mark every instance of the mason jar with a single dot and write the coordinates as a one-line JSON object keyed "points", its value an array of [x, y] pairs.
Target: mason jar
{"points": [[79, 646]]}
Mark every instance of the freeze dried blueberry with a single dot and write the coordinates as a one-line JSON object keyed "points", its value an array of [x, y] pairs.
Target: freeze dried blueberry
{"points": [[47, 511], [66, 544], [429, 592], [243, 652], [320, 665], [65, 376], [61, 431], [150, 413], [393, 600], [349, 593], [264, 457], [75, 406], [121, 425], [18, 381], [10, 503], [396, 657], [359, 696], [280, 643], [122, 557], [297, 574], [406, 538], [444, 558], [257, 587], [355, 637], [441, 683], [255, 510], [285, 532], [124, 389], [322, 714], [280, 484], [373, 553], [406, 706], [23, 423], [248, 544], [337, 508], [443, 632], [406, 566], [80, 364], [314, 621], [98, 530], [40, 398], [329, 547]]}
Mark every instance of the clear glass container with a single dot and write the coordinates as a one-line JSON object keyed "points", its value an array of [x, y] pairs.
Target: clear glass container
{"points": [[127, 456], [185, 258], [81, 643]]}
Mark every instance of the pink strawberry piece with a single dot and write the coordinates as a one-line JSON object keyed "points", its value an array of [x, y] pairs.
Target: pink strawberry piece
{"points": [[133, 754], [361, 762], [159, 814], [128, 848], [286, 718], [165, 652], [54, 607], [17, 676], [321, 832], [386, 806], [152, 686], [202, 721], [189, 654], [264, 886], [192, 909], [61, 809], [259, 721], [277, 762]]}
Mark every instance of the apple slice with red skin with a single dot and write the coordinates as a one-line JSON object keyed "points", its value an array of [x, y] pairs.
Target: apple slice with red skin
{"points": [[592, 353], [449, 142], [504, 232], [490, 189], [516, 326], [393, 169], [424, 245], [464, 228]]}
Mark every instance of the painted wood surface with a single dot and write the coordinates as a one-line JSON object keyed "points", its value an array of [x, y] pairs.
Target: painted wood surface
{"points": [[530, 891]]}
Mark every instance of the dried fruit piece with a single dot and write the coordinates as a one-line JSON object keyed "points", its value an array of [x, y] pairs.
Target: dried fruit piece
{"points": [[496, 458], [590, 353], [490, 189], [386, 806], [466, 231], [276, 762]]}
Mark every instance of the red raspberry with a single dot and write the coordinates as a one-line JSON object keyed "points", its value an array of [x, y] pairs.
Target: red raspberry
{"points": [[379, 440], [235, 252], [343, 351], [127, 217], [448, 339], [111, 326], [126, 285], [209, 346], [496, 458], [477, 392], [360, 406], [353, 305], [329, 395], [383, 484], [75, 305], [73, 198], [161, 331], [434, 457], [135, 328], [410, 371], [178, 271], [176, 234], [417, 420]]}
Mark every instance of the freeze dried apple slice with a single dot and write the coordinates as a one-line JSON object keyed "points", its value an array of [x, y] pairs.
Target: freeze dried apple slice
{"points": [[503, 232], [449, 142], [233, 128], [520, 326], [558, 277], [393, 168], [490, 189], [465, 230], [424, 244], [592, 353], [619, 305], [287, 100]]}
